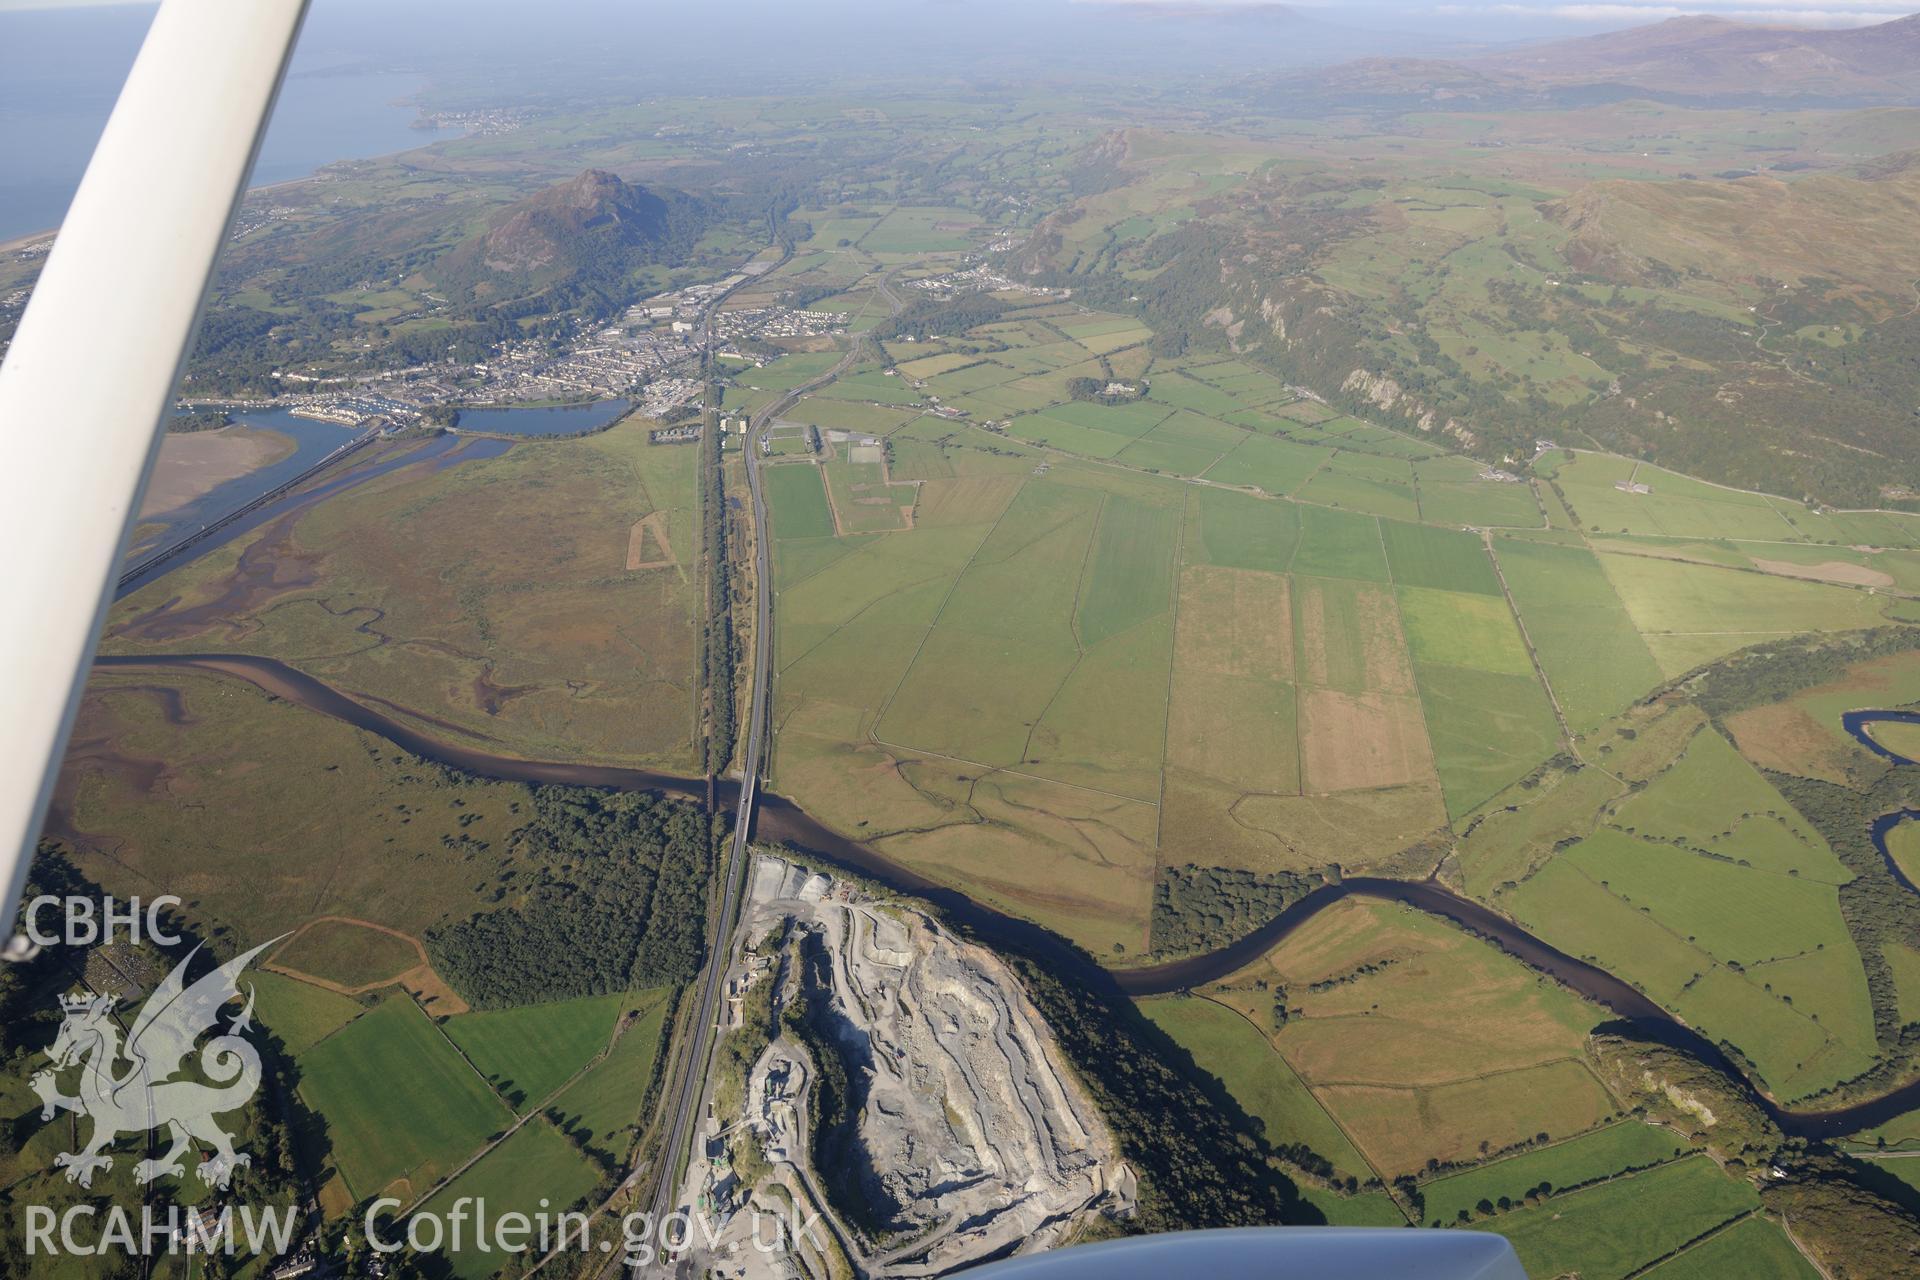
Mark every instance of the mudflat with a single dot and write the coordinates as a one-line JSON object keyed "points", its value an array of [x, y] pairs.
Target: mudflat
{"points": [[194, 464]]}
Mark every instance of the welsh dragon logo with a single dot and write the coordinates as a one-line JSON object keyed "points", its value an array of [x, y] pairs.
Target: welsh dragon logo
{"points": [[131, 1087]]}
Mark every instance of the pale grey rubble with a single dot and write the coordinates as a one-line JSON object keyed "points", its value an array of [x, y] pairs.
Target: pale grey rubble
{"points": [[974, 1138]]}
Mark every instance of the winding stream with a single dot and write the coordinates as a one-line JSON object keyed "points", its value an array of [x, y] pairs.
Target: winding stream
{"points": [[1856, 723], [779, 819]]}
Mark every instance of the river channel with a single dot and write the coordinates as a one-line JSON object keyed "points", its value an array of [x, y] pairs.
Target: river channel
{"points": [[1858, 724], [780, 820]]}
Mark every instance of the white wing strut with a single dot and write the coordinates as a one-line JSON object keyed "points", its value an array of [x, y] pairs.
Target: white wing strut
{"points": [[95, 360]]}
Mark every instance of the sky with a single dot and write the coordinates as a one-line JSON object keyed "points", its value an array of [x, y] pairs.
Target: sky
{"points": [[1575, 18], [1481, 16]]}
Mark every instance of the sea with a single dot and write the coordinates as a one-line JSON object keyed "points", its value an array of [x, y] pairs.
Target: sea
{"points": [[61, 69]]}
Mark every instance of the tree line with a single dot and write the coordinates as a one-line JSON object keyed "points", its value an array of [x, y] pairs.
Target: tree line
{"points": [[925, 318], [718, 641]]}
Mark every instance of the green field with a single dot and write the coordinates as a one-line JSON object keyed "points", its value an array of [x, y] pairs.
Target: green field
{"points": [[1367, 1209], [1080, 584], [1225, 1045], [1239, 532], [1573, 1163], [1677, 505], [1334, 487], [1594, 659], [1135, 419], [1131, 575], [1024, 624], [1713, 799], [848, 415], [961, 698], [535, 1170], [863, 499], [1753, 1249], [1903, 842], [1278, 467], [602, 1108], [789, 372], [400, 1109], [1509, 842], [1488, 730], [530, 1051], [1151, 453], [872, 385], [1184, 391], [1646, 942], [299, 1013], [1694, 613], [914, 229], [1732, 912], [1340, 544], [1055, 433], [1578, 916], [1610, 1231], [1455, 629], [799, 502], [1479, 503], [1444, 559]]}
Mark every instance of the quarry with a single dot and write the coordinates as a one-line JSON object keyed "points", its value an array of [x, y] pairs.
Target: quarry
{"points": [[877, 1071]]}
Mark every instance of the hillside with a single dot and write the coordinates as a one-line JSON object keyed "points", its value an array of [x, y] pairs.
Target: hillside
{"points": [[1681, 59], [1705, 56], [587, 232], [1849, 234], [1753, 329]]}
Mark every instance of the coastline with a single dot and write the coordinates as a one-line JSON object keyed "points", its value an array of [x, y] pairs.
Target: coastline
{"points": [[21, 242], [13, 243]]}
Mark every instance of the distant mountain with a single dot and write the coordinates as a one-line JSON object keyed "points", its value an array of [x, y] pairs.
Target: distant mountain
{"points": [[1679, 59], [589, 231], [1705, 56]]}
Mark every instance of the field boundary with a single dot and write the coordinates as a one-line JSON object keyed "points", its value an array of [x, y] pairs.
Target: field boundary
{"points": [[1324, 1110], [1180, 567], [419, 979], [622, 1024], [1533, 655]]}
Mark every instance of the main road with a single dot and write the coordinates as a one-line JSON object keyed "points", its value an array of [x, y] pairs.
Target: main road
{"points": [[690, 1090]]}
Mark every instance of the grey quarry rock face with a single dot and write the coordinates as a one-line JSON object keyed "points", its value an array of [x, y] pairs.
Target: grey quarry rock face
{"points": [[972, 1140]]}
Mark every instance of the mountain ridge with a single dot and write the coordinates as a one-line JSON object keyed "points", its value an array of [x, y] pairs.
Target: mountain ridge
{"points": [[1691, 58]]}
